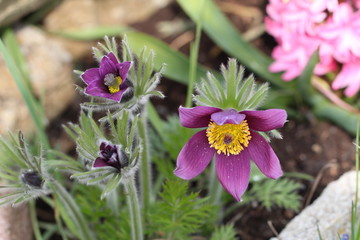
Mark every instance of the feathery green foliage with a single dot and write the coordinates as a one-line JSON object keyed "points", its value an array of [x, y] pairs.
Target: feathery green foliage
{"points": [[107, 223], [17, 161], [179, 214], [225, 232], [229, 93], [280, 193]]}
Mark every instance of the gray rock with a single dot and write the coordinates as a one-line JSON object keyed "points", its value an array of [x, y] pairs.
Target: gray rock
{"points": [[66, 17], [51, 76], [330, 213], [12, 10], [15, 223]]}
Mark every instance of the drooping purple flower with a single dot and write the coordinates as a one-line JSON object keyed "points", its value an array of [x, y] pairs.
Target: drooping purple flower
{"points": [[109, 80], [110, 156], [233, 138]]}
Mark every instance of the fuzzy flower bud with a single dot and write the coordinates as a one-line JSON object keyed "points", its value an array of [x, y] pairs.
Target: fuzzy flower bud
{"points": [[32, 179], [111, 155]]}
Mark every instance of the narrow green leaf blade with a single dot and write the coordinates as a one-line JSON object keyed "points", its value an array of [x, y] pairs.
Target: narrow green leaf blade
{"points": [[177, 64], [225, 35], [304, 81], [95, 33]]}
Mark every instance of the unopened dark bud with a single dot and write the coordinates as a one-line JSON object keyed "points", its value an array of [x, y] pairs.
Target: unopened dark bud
{"points": [[32, 178]]}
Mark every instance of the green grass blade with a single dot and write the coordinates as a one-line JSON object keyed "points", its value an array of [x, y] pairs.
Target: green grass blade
{"points": [[304, 81], [194, 53], [95, 33], [28, 97], [14, 48], [177, 64], [322, 108], [225, 35], [155, 120]]}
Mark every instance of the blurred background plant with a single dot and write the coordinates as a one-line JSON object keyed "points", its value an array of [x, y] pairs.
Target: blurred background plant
{"points": [[203, 31]]}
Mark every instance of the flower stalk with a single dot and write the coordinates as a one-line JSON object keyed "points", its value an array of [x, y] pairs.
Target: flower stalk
{"points": [[145, 169], [215, 189], [134, 209]]}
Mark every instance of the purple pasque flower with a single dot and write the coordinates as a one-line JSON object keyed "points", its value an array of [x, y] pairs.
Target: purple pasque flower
{"points": [[109, 79], [233, 138], [110, 156]]}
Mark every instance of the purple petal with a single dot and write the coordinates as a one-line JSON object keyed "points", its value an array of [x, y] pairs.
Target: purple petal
{"points": [[123, 69], [112, 57], [265, 120], [264, 156], [107, 66], [194, 157], [227, 116], [102, 146], [196, 117], [101, 91], [99, 162], [234, 172], [91, 75]]}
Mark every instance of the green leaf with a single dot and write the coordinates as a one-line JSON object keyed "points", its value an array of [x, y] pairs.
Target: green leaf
{"points": [[178, 213], [36, 112], [86, 174], [155, 120], [92, 33], [225, 35], [177, 64], [281, 193], [304, 81], [226, 232], [322, 108], [111, 185]]}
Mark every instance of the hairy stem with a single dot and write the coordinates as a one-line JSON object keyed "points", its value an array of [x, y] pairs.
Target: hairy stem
{"points": [[145, 171], [134, 209], [215, 190]]}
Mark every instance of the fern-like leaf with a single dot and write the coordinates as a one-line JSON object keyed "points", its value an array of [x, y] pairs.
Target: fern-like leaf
{"points": [[179, 214], [225, 232], [281, 193]]}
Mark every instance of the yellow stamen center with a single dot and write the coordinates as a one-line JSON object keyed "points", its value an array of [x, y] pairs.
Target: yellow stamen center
{"points": [[115, 87], [229, 139]]}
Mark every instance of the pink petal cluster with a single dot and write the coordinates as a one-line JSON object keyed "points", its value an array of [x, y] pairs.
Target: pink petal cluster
{"points": [[302, 26]]}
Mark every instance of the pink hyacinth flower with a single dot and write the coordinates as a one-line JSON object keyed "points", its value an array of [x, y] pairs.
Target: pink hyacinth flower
{"points": [[109, 80], [349, 77], [233, 138], [342, 30]]}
